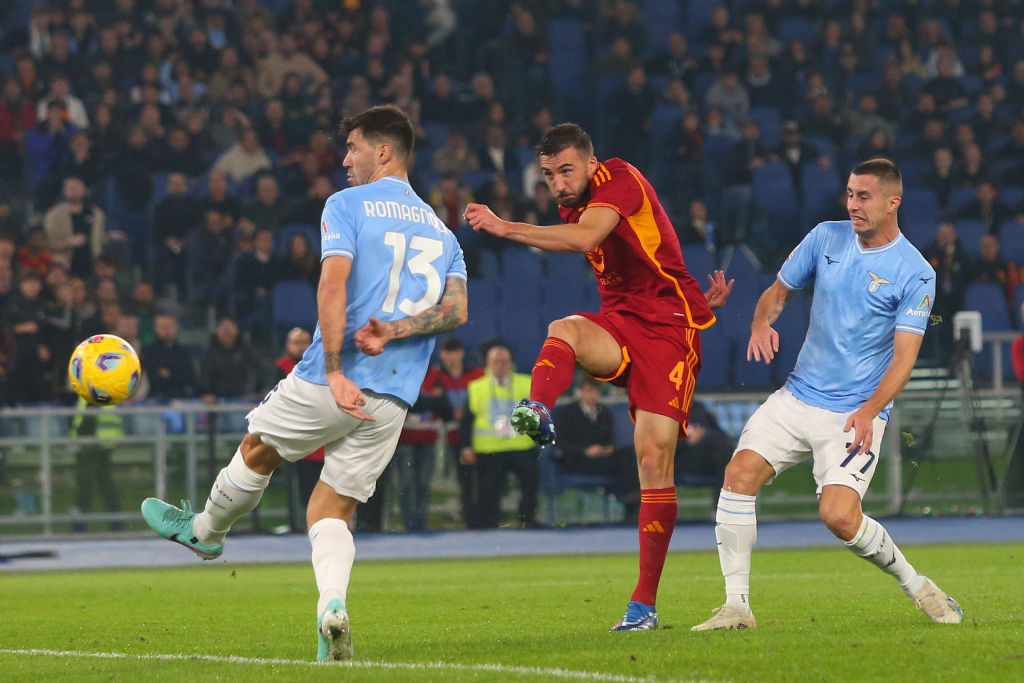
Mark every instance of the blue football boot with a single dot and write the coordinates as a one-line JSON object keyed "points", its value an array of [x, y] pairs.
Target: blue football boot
{"points": [[638, 617], [533, 419]]}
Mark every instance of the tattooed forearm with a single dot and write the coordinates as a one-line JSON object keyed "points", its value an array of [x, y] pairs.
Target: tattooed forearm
{"points": [[332, 361], [450, 312]]}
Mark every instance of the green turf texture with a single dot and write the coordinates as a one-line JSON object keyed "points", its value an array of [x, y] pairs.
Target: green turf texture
{"points": [[823, 615]]}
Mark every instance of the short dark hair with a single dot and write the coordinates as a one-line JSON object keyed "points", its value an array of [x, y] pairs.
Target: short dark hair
{"points": [[386, 122], [562, 137], [452, 344], [886, 170]]}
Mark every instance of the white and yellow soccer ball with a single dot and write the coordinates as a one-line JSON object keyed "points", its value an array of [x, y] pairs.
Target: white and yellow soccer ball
{"points": [[104, 370]]}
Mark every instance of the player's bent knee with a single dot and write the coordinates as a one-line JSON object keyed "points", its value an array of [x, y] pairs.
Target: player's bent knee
{"points": [[841, 521], [564, 329], [746, 473], [259, 457]]}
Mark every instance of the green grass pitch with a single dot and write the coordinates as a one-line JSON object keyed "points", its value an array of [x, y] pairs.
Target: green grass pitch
{"points": [[823, 615]]}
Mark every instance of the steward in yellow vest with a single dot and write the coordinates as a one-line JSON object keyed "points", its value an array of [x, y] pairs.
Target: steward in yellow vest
{"points": [[493, 446], [93, 464]]}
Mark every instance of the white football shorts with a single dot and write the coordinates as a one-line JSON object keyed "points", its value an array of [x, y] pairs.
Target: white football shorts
{"points": [[786, 431], [297, 417]]}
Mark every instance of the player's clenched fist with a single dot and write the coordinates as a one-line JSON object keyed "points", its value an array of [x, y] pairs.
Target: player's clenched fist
{"points": [[481, 218]]}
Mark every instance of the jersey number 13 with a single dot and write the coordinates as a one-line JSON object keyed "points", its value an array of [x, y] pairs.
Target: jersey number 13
{"points": [[421, 262]]}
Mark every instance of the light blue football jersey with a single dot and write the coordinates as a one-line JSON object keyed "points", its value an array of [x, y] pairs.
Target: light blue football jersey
{"points": [[861, 298], [401, 256]]}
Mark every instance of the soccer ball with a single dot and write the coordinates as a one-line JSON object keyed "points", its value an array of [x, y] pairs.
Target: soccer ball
{"points": [[104, 370]]}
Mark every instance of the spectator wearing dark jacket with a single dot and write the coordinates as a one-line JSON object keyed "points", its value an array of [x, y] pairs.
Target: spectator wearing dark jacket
{"points": [[228, 368], [169, 365]]}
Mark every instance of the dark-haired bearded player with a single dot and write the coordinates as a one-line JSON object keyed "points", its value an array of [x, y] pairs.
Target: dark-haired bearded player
{"points": [[645, 338]]}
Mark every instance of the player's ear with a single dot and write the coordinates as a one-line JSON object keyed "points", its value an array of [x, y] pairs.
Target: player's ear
{"points": [[384, 152], [592, 164], [894, 202]]}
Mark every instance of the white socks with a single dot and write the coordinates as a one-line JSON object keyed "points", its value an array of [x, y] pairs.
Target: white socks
{"points": [[873, 543], [236, 491], [736, 532], [333, 554]]}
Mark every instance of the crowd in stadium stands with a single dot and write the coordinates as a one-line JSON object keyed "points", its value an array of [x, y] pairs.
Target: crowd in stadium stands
{"points": [[163, 164]]}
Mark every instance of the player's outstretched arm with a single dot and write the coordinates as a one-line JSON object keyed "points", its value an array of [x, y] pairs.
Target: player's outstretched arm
{"points": [[719, 291], [449, 313], [594, 225], [764, 340], [906, 346]]}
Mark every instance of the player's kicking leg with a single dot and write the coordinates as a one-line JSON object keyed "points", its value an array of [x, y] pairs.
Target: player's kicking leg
{"points": [[840, 509], [334, 551], [736, 533], [236, 491], [571, 341]]}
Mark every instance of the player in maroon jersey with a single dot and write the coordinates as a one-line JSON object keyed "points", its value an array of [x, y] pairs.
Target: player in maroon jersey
{"points": [[645, 338]]}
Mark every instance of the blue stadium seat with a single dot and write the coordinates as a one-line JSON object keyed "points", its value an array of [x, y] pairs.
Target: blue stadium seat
{"points": [[294, 304], [716, 357], [559, 265], [920, 206], [484, 308], [566, 35], [750, 280], [792, 329], [959, 198], [796, 29], [821, 143], [989, 298], [773, 189], [970, 233], [159, 185], [475, 180], [713, 161], [698, 14], [284, 236], [490, 265], [1011, 239], [523, 281], [918, 234], [524, 330], [701, 84], [699, 261], [664, 120], [818, 187], [769, 121], [860, 84], [662, 18], [437, 133], [519, 264], [914, 172], [1012, 195]]}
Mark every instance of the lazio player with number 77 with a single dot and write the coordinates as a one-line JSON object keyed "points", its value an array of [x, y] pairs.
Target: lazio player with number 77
{"points": [[393, 277], [646, 337], [873, 294]]}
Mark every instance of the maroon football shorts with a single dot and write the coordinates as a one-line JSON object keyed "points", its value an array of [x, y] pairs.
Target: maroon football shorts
{"points": [[659, 367]]}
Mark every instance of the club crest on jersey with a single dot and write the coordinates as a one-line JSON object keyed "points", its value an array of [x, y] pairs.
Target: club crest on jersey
{"points": [[596, 258], [876, 282]]}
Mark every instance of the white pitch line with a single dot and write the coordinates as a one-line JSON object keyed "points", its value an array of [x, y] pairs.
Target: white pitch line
{"points": [[497, 668]]}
